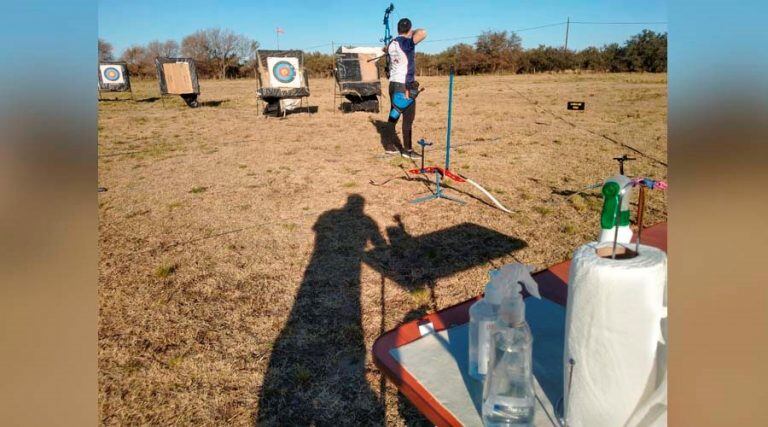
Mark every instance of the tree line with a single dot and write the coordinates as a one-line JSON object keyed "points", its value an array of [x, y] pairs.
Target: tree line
{"points": [[218, 53], [224, 54]]}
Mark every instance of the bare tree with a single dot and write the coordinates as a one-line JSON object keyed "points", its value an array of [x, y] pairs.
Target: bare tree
{"points": [[218, 48], [105, 50], [167, 49], [134, 57], [196, 47]]}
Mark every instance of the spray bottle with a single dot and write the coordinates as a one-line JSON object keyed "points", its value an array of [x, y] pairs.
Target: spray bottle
{"points": [[484, 313], [508, 396], [614, 200]]}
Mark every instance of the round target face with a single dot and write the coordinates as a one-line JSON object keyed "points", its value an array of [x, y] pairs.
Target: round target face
{"points": [[111, 74], [284, 72]]}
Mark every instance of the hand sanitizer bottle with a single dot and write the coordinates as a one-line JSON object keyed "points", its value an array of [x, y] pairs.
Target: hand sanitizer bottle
{"points": [[482, 317], [508, 397]]}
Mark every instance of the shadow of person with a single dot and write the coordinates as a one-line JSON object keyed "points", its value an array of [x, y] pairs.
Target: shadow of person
{"points": [[316, 372], [416, 262], [389, 139]]}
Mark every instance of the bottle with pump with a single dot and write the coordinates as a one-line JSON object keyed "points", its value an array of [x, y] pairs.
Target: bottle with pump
{"points": [[482, 318], [508, 396], [484, 313]]}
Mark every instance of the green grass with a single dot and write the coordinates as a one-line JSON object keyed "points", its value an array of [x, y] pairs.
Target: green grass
{"points": [[175, 361], [198, 190], [349, 184], [420, 296], [542, 210], [578, 202], [166, 270]]}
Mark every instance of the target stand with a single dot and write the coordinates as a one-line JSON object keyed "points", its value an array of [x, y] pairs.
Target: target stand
{"points": [[114, 78], [178, 76], [118, 95], [283, 85], [439, 172]]}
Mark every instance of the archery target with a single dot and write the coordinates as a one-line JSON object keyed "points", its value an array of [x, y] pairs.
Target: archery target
{"points": [[284, 72], [112, 74]]}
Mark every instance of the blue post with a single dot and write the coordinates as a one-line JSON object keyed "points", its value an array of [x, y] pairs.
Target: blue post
{"points": [[438, 188], [448, 134]]}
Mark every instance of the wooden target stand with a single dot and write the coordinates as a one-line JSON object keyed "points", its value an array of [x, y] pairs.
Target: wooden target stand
{"points": [[118, 98], [163, 96]]}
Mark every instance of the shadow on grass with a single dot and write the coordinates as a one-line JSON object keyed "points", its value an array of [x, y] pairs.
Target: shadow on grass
{"points": [[115, 99], [310, 109], [317, 370], [213, 103], [150, 99], [583, 193], [316, 373], [388, 135]]}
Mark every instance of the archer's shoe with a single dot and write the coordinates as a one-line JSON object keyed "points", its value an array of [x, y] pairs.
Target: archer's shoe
{"points": [[391, 151], [410, 154]]}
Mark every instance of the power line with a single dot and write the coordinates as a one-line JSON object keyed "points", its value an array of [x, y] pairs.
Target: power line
{"points": [[315, 47], [620, 23], [520, 30], [514, 31]]}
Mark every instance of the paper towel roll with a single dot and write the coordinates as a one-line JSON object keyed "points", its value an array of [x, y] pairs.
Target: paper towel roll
{"points": [[613, 338]]}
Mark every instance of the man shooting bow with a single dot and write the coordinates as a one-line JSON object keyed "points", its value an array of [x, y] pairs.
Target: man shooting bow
{"points": [[402, 67]]}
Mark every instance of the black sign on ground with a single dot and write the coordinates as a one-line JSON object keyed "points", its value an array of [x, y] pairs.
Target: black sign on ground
{"points": [[577, 105]]}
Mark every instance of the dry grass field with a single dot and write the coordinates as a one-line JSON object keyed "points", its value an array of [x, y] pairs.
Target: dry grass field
{"points": [[247, 264]]}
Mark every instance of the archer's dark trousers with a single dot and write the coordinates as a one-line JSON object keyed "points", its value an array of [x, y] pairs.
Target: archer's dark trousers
{"points": [[409, 115]]}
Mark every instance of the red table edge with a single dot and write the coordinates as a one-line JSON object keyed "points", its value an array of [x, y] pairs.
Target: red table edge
{"points": [[552, 285]]}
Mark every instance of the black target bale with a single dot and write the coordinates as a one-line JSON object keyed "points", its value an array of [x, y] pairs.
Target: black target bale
{"points": [[358, 78], [178, 76], [114, 77]]}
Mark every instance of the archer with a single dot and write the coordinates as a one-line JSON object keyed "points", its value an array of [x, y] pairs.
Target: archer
{"points": [[402, 66]]}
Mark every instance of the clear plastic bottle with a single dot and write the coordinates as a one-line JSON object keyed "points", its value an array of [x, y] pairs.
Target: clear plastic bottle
{"points": [[508, 397], [484, 313], [482, 318]]}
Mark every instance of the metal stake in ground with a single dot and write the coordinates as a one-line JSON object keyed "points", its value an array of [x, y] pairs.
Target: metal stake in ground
{"points": [[423, 144], [621, 161], [438, 194]]}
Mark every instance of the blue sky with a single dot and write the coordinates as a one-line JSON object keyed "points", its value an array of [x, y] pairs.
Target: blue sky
{"points": [[309, 23]]}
